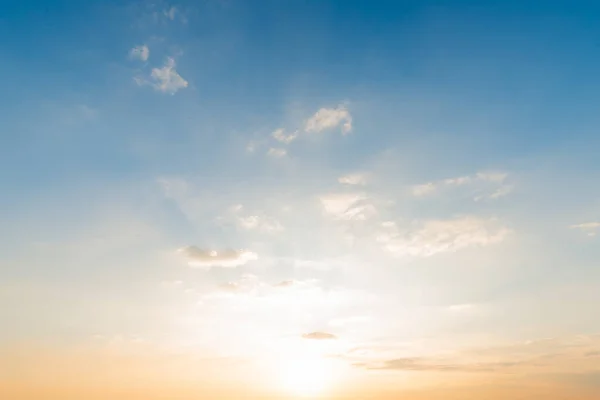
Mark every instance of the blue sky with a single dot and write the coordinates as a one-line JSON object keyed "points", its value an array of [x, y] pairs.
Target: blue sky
{"points": [[412, 179]]}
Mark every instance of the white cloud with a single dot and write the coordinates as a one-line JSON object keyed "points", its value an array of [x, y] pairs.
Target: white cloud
{"points": [[319, 336], [140, 53], [260, 223], [281, 136], [201, 258], [251, 147], [486, 185], [589, 227], [423, 189], [276, 152], [438, 236], [347, 206], [255, 221], [165, 79], [353, 179], [502, 191], [170, 13], [329, 118], [497, 177]]}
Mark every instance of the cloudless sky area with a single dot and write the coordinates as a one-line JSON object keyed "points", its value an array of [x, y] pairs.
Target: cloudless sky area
{"points": [[229, 199]]}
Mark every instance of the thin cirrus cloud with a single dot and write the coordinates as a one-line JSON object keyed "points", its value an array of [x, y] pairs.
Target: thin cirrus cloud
{"points": [[347, 206], [485, 185], [141, 52], [254, 221], [259, 223], [358, 178], [319, 336], [201, 258], [590, 228], [276, 152], [165, 79], [440, 236]]}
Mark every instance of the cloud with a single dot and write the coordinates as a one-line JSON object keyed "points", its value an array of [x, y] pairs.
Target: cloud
{"points": [[486, 185], [140, 53], [286, 283], [423, 189], [329, 118], [276, 152], [200, 258], [170, 13], [419, 364], [347, 206], [280, 135], [165, 79], [246, 283], [255, 222], [319, 336], [353, 179], [438, 236], [589, 227]]}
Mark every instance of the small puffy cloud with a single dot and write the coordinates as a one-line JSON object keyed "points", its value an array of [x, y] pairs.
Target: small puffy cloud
{"points": [[276, 152], [353, 179], [347, 206], [330, 118], [165, 79], [590, 228], [281, 136], [228, 258], [319, 336], [438, 236], [139, 53]]}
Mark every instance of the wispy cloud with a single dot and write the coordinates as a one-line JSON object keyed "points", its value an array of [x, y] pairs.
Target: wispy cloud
{"points": [[347, 206], [276, 152], [281, 136], [484, 185], [319, 336], [228, 258], [254, 221], [141, 52], [590, 228], [330, 118], [438, 236], [358, 178], [165, 79]]}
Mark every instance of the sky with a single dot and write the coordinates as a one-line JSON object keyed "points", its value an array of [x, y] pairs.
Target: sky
{"points": [[303, 199]]}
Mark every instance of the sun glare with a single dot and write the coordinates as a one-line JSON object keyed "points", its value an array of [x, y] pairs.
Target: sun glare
{"points": [[306, 376]]}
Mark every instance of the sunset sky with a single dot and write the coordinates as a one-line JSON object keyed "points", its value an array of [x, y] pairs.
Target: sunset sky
{"points": [[229, 199]]}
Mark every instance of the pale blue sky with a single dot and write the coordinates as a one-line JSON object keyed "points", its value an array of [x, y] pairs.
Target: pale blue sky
{"points": [[426, 171]]}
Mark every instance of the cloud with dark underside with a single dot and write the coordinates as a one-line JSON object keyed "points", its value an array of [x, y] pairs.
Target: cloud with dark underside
{"points": [[319, 336]]}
